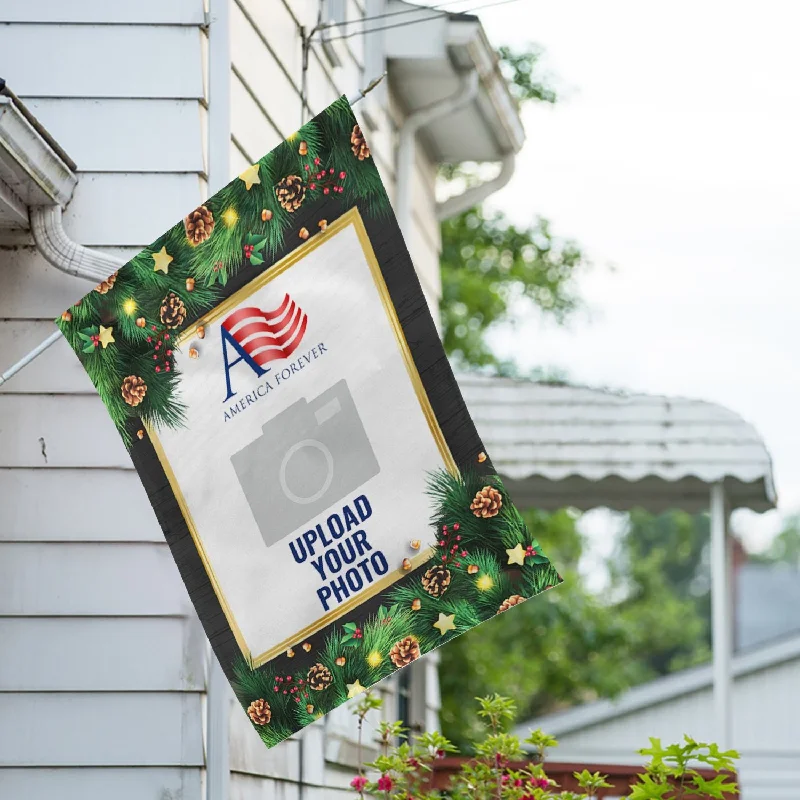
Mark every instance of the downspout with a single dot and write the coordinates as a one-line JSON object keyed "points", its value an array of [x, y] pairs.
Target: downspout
{"points": [[218, 691], [477, 194], [406, 144], [59, 250]]}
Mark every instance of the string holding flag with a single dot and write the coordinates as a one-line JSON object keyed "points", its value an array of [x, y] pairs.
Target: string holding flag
{"points": [[272, 366]]}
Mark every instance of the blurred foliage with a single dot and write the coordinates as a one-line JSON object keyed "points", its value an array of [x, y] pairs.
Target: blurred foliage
{"points": [[492, 268], [785, 547], [572, 645]]}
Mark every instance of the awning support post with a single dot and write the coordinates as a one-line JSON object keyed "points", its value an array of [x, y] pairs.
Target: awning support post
{"points": [[721, 606]]}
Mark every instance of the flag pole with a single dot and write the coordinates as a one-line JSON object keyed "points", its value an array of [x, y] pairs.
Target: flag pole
{"points": [[56, 335]]}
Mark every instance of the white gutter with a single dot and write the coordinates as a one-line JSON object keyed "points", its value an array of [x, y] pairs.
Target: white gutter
{"points": [[477, 194], [406, 145]]}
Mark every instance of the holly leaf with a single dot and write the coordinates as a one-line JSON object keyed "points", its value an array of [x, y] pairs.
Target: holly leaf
{"points": [[350, 642], [350, 626], [88, 347], [256, 259], [382, 613]]}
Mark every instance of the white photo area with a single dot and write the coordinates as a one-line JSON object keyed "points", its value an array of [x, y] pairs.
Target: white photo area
{"points": [[304, 477]]}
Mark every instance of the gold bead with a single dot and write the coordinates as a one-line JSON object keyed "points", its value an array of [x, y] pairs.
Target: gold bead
{"points": [[323, 223], [66, 316], [481, 458], [303, 149], [416, 604], [472, 569], [266, 215], [190, 284], [140, 433], [290, 653], [309, 709], [307, 647], [193, 353], [341, 661], [415, 544], [406, 564], [303, 234], [201, 332], [141, 322]]}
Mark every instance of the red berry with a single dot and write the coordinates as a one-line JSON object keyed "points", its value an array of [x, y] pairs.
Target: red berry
{"points": [[166, 336], [167, 368], [458, 563], [307, 168], [158, 369], [458, 538], [154, 328], [464, 553], [326, 190], [331, 170], [312, 185], [441, 543], [169, 352], [456, 526], [316, 161], [342, 175], [155, 357], [149, 338]]}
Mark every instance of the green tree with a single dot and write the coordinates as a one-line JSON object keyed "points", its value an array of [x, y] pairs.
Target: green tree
{"points": [[490, 264], [785, 547]]}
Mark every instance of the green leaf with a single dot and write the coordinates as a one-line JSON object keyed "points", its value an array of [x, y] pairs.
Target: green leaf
{"points": [[350, 626], [89, 347], [717, 788], [256, 259]]}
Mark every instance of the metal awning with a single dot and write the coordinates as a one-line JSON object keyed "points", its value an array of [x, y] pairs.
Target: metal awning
{"points": [[562, 446]]}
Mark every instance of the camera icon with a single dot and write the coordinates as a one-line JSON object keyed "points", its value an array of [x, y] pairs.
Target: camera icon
{"points": [[307, 458]]}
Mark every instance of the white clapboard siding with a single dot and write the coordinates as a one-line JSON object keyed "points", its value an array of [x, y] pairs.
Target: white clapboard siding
{"points": [[100, 729], [119, 579], [103, 61], [108, 783], [30, 288], [49, 505], [128, 209], [249, 756], [59, 431], [254, 787], [53, 654], [142, 12], [57, 370], [125, 135]]}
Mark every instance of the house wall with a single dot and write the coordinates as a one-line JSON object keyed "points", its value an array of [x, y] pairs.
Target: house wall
{"points": [[104, 662], [766, 709]]}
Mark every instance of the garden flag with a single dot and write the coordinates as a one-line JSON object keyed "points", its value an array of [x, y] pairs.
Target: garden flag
{"points": [[277, 377]]}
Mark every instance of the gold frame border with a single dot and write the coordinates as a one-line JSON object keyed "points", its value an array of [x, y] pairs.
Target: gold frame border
{"points": [[351, 217]]}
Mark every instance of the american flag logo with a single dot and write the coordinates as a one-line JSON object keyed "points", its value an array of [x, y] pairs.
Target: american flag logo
{"points": [[268, 335]]}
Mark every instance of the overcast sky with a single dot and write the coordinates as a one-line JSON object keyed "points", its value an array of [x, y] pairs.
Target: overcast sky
{"points": [[673, 155]]}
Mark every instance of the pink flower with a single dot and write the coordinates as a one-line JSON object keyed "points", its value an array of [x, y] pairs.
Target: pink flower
{"points": [[440, 754], [385, 783], [358, 783]]}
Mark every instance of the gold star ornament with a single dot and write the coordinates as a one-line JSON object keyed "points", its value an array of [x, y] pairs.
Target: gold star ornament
{"points": [[445, 623], [162, 261], [516, 555], [105, 336], [250, 177], [354, 689]]}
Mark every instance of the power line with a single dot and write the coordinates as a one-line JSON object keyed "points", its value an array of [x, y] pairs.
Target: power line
{"points": [[415, 10], [416, 21]]}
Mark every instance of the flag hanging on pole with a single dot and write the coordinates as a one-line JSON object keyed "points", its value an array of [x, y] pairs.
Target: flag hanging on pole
{"points": [[273, 368]]}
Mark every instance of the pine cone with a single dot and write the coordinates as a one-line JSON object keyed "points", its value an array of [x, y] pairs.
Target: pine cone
{"points": [[104, 286], [260, 712], [133, 390], [173, 311], [199, 225], [359, 144], [291, 192], [404, 652], [487, 503], [436, 580], [319, 677], [514, 600]]}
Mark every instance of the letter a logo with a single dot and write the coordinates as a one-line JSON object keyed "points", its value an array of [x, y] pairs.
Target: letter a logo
{"points": [[261, 336]]}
